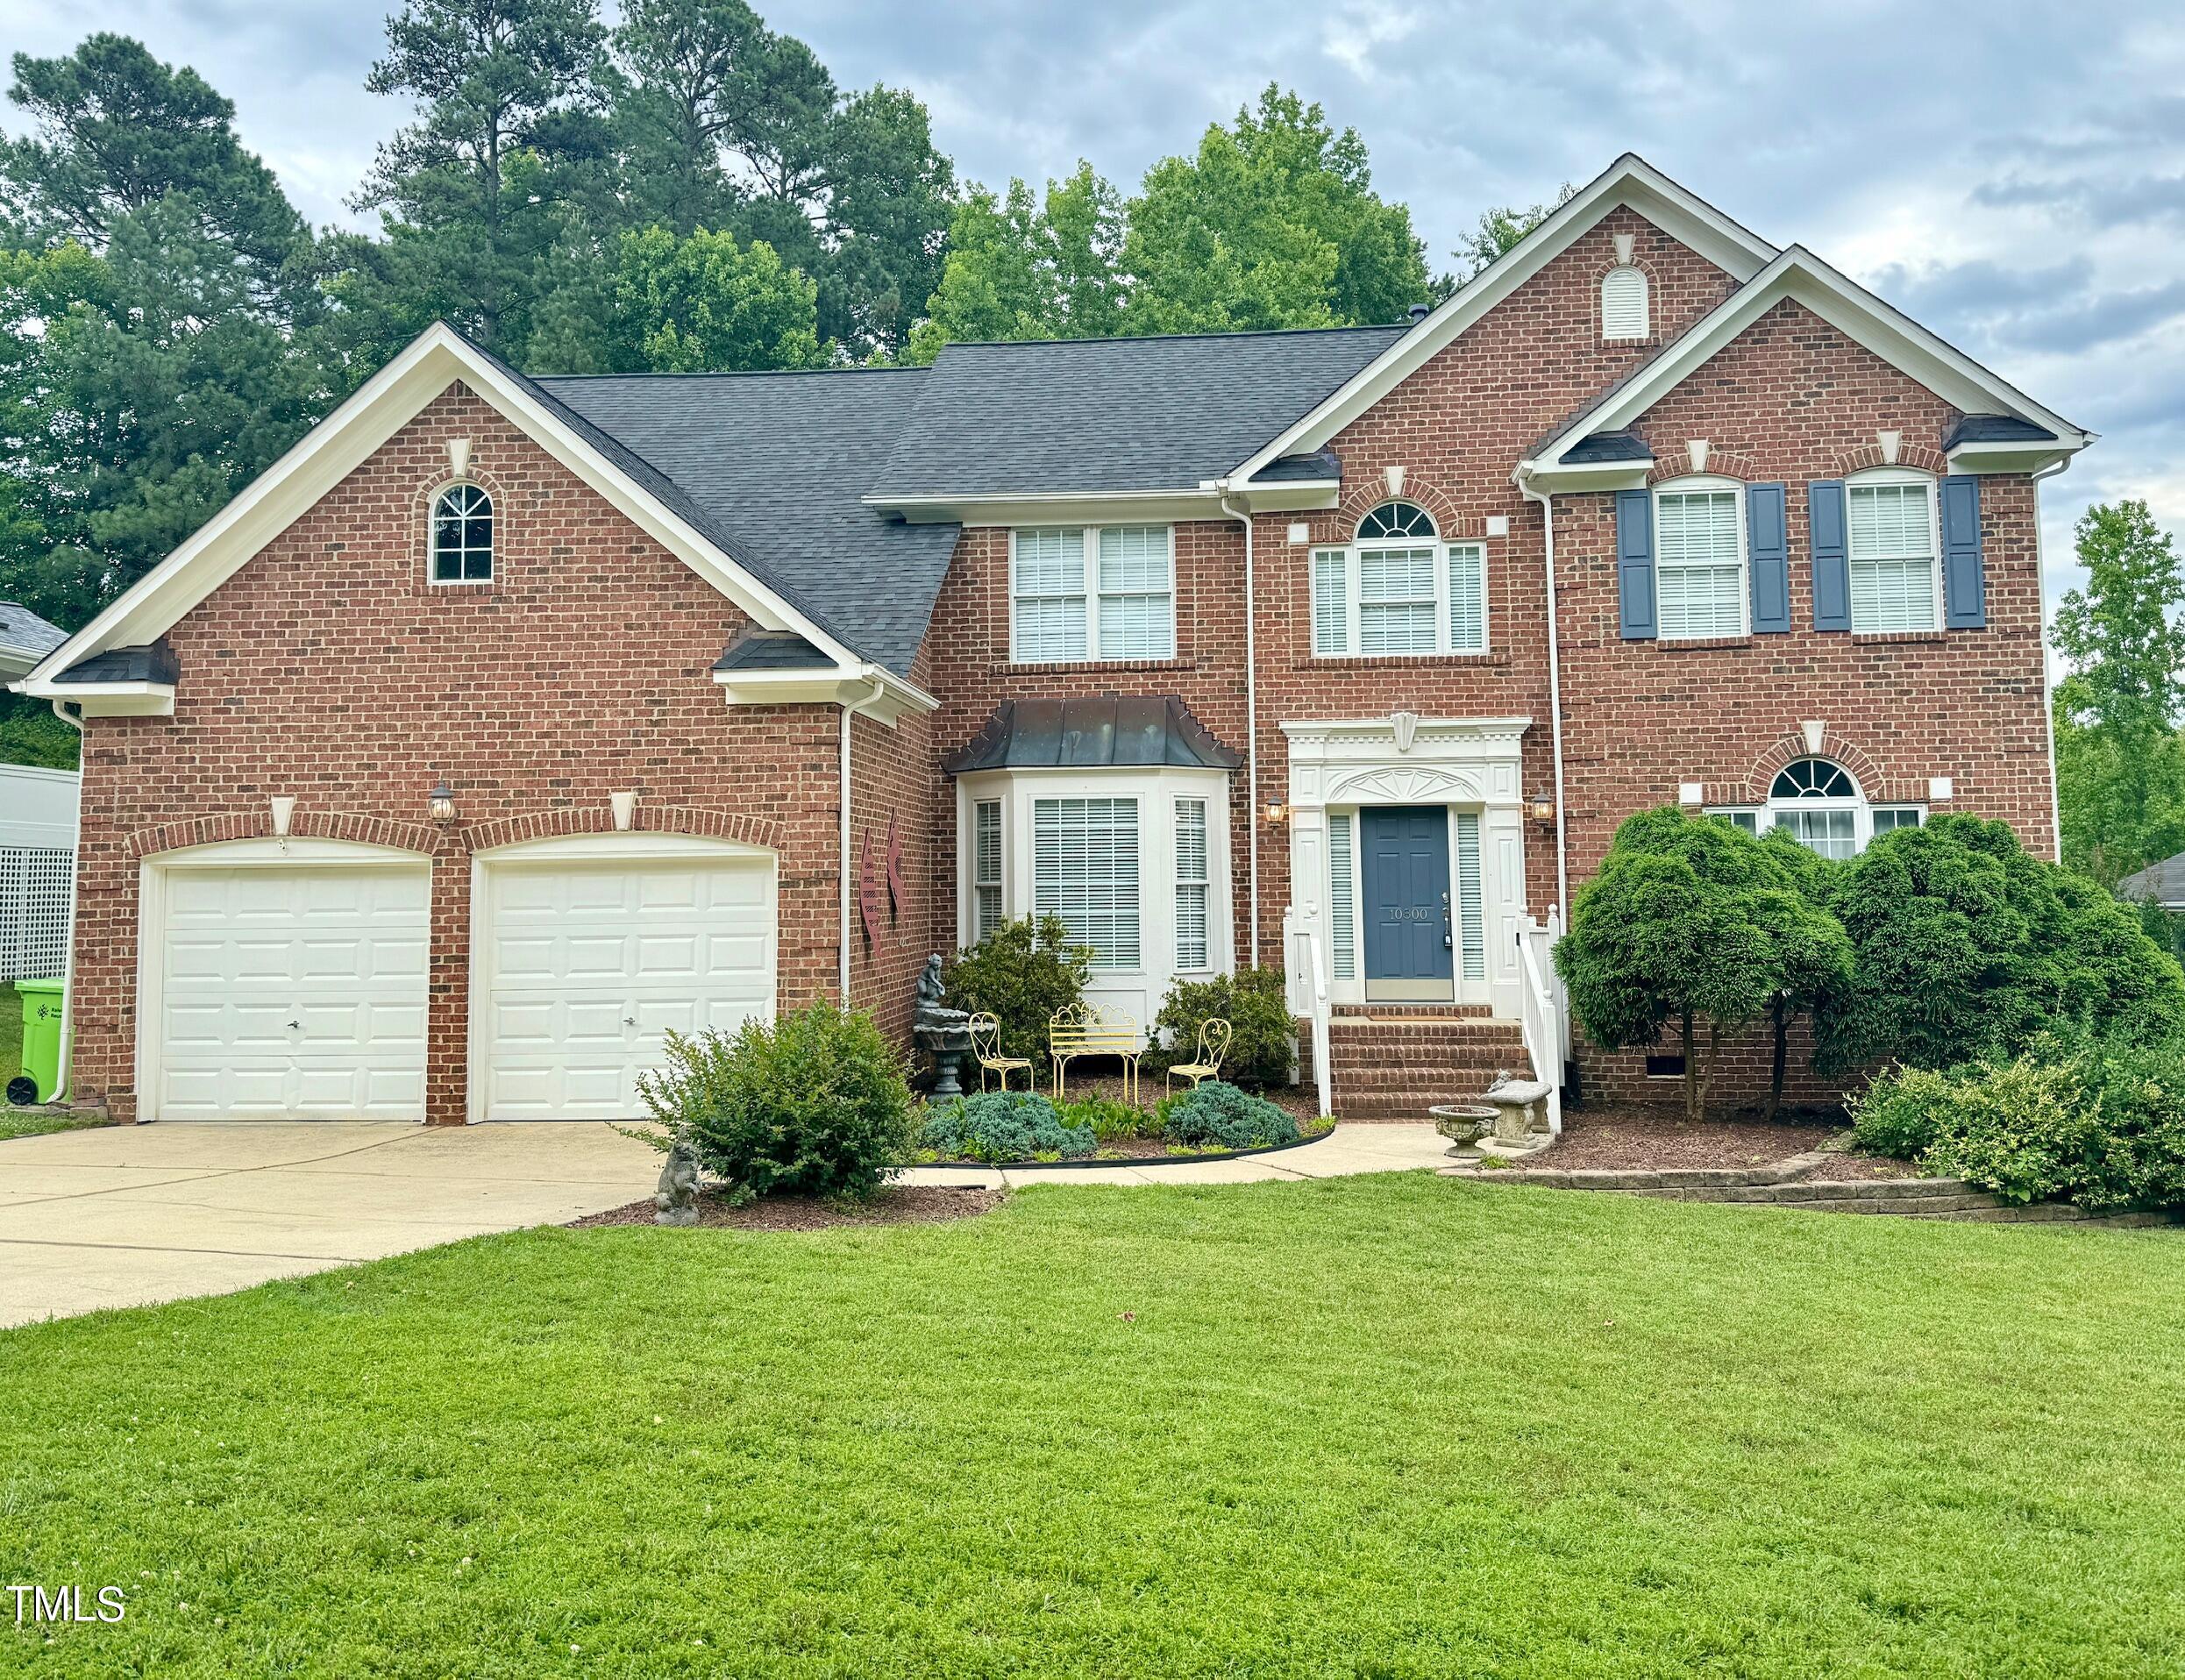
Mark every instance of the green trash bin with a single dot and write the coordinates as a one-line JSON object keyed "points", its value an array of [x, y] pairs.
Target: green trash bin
{"points": [[41, 1044]]}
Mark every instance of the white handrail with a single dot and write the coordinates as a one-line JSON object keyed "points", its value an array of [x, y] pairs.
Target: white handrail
{"points": [[1541, 1011], [1307, 968]]}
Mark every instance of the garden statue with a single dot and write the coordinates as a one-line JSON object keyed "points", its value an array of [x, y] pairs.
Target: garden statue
{"points": [[677, 1197], [944, 1031]]}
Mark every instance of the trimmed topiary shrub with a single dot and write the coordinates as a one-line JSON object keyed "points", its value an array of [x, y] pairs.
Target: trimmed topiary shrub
{"points": [[1022, 973], [814, 1103], [1004, 1126], [1254, 1001], [1218, 1116]]}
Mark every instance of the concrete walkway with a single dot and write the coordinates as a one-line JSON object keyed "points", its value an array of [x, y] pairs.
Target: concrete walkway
{"points": [[1346, 1150], [121, 1215]]}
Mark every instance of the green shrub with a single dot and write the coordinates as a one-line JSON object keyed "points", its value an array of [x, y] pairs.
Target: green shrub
{"points": [[1899, 1112], [1217, 1115], [1004, 1126], [814, 1103], [1255, 1003], [1021, 974], [1109, 1121], [2022, 1129]]}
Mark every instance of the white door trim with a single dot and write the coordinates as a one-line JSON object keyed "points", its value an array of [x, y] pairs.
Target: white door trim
{"points": [[152, 878], [632, 846]]}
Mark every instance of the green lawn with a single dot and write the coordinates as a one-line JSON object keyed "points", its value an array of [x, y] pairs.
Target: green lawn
{"points": [[1388, 1427]]}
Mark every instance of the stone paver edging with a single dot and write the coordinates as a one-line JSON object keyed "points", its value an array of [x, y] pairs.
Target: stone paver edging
{"points": [[1348, 1150]]}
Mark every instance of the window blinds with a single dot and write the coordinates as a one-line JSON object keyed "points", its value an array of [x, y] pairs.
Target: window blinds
{"points": [[1085, 870], [1192, 944], [1699, 576], [1892, 557]]}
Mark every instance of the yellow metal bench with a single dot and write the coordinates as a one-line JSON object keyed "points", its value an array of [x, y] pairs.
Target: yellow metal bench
{"points": [[1082, 1030]]}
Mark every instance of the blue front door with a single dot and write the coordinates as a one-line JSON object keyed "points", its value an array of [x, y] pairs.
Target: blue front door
{"points": [[1404, 854]]}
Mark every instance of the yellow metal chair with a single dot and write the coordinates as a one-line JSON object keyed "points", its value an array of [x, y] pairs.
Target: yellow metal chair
{"points": [[986, 1031], [1081, 1029], [1213, 1045]]}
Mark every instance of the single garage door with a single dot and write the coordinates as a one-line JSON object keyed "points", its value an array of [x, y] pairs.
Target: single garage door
{"points": [[292, 991], [585, 965]]}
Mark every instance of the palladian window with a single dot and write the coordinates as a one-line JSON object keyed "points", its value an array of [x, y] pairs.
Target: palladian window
{"points": [[1819, 804], [1400, 589]]}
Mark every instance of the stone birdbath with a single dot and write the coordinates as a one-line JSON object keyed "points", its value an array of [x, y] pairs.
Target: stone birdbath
{"points": [[944, 1033], [1462, 1123]]}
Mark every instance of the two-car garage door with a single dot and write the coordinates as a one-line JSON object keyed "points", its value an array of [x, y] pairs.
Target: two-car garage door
{"points": [[292, 985]]}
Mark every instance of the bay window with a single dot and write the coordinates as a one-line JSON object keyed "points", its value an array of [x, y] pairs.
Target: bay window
{"points": [[1085, 870]]}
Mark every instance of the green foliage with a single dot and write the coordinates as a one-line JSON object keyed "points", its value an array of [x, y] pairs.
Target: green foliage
{"points": [[2120, 764], [814, 1103], [1694, 922], [1255, 1003], [698, 304], [1005, 1126], [1967, 947], [1021, 974], [2100, 1122], [1018, 270], [1107, 1120], [30, 734], [1499, 231], [1217, 1116]]}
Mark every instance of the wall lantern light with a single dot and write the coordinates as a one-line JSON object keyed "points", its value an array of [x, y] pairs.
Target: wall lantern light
{"points": [[1541, 808], [1277, 813], [443, 799]]}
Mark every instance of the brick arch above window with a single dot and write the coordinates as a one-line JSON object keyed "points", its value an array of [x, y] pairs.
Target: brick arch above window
{"points": [[1341, 524], [1860, 458], [1676, 463], [306, 824], [564, 820], [1873, 785]]}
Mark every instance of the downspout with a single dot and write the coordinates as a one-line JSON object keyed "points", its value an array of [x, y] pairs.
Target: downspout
{"points": [[1251, 721], [850, 709], [2048, 697], [1546, 498], [68, 952]]}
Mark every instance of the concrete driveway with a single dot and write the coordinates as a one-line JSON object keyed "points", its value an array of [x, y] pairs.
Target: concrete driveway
{"points": [[117, 1216]]}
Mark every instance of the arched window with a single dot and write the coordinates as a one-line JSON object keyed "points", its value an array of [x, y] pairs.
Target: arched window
{"points": [[1398, 589], [1624, 304], [1396, 520], [462, 535], [1820, 805]]}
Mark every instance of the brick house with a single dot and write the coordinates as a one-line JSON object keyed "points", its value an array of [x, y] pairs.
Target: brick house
{"points": [[505, 723]]}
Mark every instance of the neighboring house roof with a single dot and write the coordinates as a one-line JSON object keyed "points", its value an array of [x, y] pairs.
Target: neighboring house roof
{"points": [[1093, 735], [2162, 883], [1113, 415], [25, 638], [774, 464]]}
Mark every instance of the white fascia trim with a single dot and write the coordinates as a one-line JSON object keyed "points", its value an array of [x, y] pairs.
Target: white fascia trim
{"points": [[1590, 476], [1864, 318], [1630, 181], [1048, 507], [107, 699], [379, 408], [844, 686], [2026, 455]]}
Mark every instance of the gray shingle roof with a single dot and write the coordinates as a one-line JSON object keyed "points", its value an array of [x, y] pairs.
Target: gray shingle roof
{"points": [[1607, 446], [152, 663], [1996, 429], [1091, 734], [2163, 883], [770, 468], [1299, 469], [20, 627], [766, 649], [1114, 414]]}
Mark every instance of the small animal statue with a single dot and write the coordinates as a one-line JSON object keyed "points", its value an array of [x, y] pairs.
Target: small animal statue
{"points": [[677, 1197]]}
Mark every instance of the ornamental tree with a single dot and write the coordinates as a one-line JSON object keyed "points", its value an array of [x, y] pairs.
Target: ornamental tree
{"points": [[1695, 923]]}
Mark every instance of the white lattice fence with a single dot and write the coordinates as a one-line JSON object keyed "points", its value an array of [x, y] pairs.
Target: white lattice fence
{"points": [[35, 883]]}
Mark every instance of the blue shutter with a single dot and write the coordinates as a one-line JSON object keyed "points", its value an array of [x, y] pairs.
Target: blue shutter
{"points": [[1634, 564], [1768, 542], [1832, 557], [1964, 591]]}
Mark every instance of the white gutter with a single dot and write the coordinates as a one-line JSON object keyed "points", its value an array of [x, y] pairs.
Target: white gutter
{"points": [[1546, 499], [2048, 697], [1251, 717], [850, 709], [68, 956]]}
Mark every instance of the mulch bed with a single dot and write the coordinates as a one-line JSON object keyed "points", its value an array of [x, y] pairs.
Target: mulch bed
{"points": [[903, 1205], [1623, 1137]]}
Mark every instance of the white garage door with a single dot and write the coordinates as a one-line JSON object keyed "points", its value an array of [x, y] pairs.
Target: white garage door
{"points": [[292, 991], [585, 965]]}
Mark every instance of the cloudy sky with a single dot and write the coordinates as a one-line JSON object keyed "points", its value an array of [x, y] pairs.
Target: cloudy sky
{"points": [[2013, 176]]}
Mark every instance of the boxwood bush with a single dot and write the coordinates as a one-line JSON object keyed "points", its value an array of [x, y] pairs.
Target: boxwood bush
{"points": [[1217, 1116], [814, 1103], [1255, 1003], [1021, 974], [1003, 1126]]}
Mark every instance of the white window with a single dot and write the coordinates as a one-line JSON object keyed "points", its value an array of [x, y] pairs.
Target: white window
{"points": [[1817, 803], [1085, 869], [1699, 559], [1124, 608], [985, 868], [1623, 305], [1192, 948], [462, 535], [1894, 563], [1399, 590]]}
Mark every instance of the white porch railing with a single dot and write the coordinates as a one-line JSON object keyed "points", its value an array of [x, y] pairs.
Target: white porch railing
{"points": [[1543, 1011], [1305, 970]]}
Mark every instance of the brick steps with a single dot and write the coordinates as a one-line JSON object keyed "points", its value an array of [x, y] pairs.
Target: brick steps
{"points": [[1394, 1061]]}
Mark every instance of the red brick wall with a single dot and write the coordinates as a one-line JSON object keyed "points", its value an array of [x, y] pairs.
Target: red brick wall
{"points": [[330, 669], [892, 782]]}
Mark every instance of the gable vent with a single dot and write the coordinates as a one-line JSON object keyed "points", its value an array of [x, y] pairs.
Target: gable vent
{"points": [[1624, 304]]}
